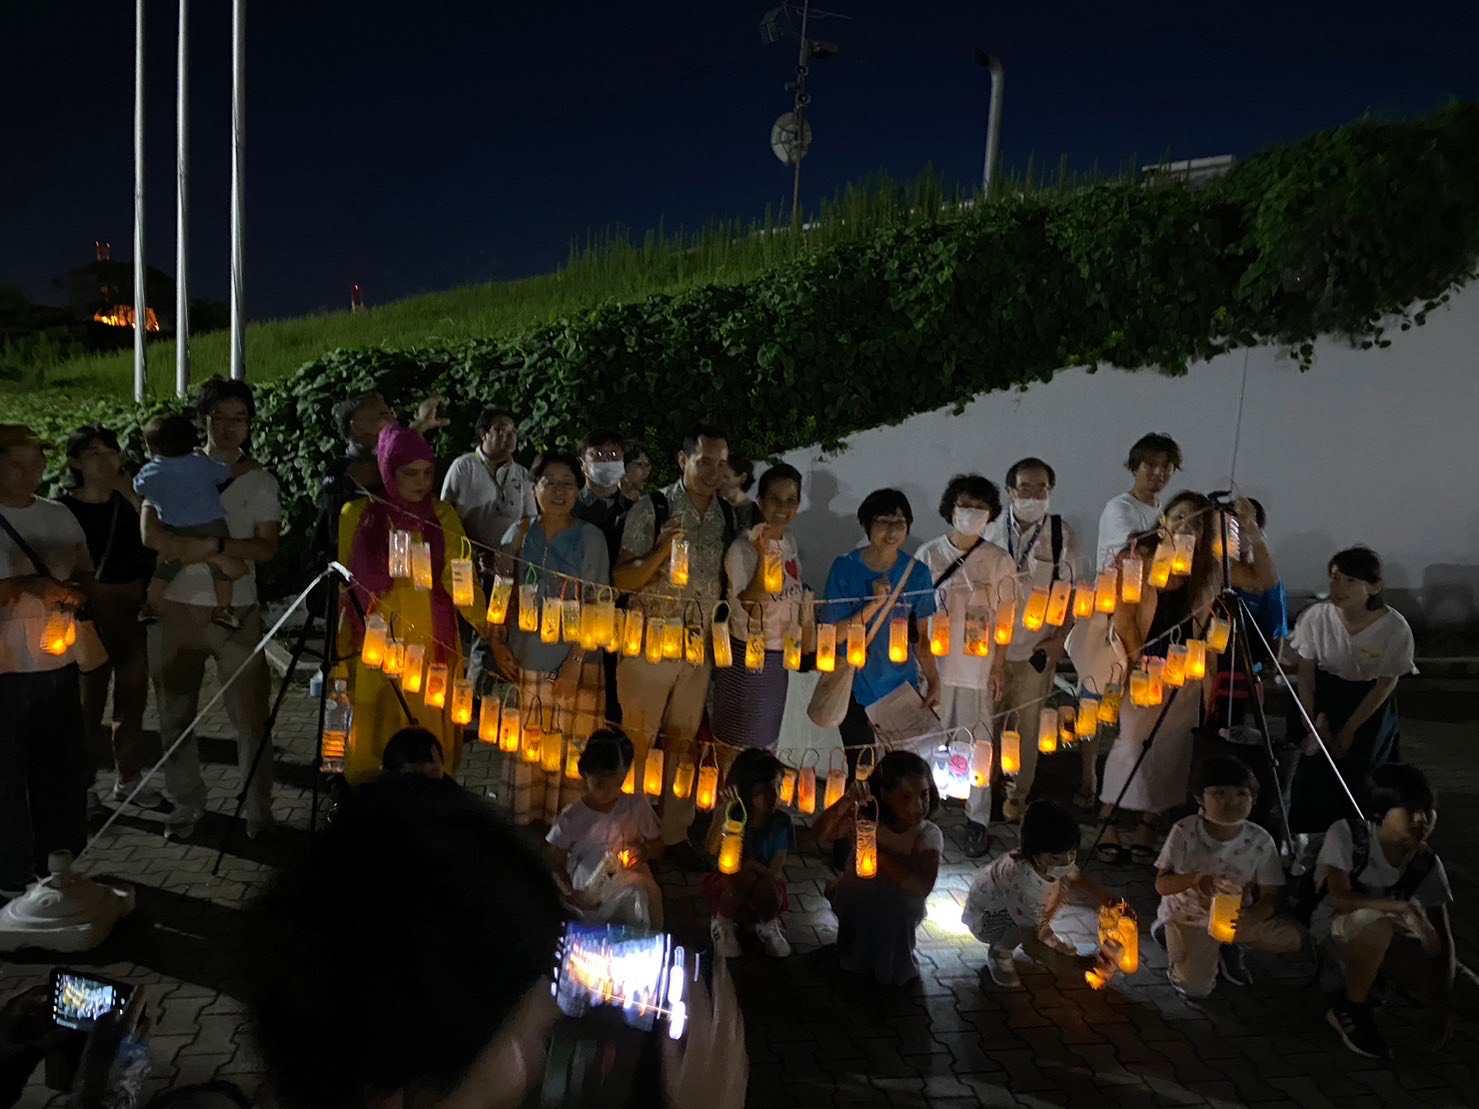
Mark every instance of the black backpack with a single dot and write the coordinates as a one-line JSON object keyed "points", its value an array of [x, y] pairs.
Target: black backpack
{"points": [[1303, 895]]}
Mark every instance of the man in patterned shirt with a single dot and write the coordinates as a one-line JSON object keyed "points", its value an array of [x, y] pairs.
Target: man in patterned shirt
{"points": [[667, 698]]}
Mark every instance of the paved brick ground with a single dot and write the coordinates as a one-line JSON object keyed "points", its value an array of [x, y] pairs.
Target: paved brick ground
{"points": [[818, 1036]]}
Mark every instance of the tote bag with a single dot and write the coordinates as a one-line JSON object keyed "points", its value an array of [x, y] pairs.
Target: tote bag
{"points": [[833, 692]]}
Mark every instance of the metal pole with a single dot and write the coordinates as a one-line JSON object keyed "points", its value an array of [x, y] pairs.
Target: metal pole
{"points": [[800, 116], [182, 207], [141, 300], [993, 119], [238, 185]]}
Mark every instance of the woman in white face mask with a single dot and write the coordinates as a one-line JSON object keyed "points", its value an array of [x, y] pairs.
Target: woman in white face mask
{"points": [[970, 575]]}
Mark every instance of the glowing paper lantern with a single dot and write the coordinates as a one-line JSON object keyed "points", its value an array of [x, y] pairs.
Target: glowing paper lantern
{"points": [[774, 570], [732, 839], [1105, 590], [652, 773], [693, 645], [1185, 545], [707, 793], [400, 553], [672, 638], [865, 840], [1227, 904], [1140, 688], [1047, 731], [683, 778], [572, 759], [806, 790], [1109, 705], [791, 654], [531, 743], [976, 635], [788, 787], [940, 632], [1086, 724], [826, 648], [528, 607], [1058, 602], [1218, 632], [631, 634], [421, 565], [395, 658], [836, 780], [1083, 600], [898, 638], [1196, 659], [436, 685], [1160, 565], [462, 587], [488, 721], [1155, 670], [552, 749], [629, 783], [498, 598], [412, 669], [1006, 621], [371, 652], [549, 621], [1175, 669], [958, 755], [755, 650], [571, 618], [461, 701], [678, 561], [656, 630], [510, 725], [1132, 570], [981, 764], [857, 643], [1011, 751], [1036, 612], [723, 646]]}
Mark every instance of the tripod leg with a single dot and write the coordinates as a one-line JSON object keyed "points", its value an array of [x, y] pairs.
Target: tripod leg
{"points": [[1243, 620], [1108, 817], [330, 657]]}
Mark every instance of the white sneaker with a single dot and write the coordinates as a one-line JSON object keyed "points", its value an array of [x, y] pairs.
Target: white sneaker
{"points": [[148, 798], [773, 939], [725, 934], [1003, 969]]}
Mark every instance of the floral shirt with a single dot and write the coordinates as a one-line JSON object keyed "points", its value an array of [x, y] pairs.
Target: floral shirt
{"points": [[1248, 859]]}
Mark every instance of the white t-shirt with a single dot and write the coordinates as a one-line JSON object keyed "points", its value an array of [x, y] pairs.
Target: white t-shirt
{"points": [[488, 504], [249, 500], [1122, 517], [1339, 851], [588, 834], [54, 534], [979, 581], [741, 564], [1249, 858], [924, 836], [1030, 549], [1012, 885], [1381, 650]]}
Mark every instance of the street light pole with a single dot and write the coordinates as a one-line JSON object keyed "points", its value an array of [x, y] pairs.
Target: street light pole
{"points": [[993, 119], [182, 207], [802, 98], [141, 270], [238, 186]]}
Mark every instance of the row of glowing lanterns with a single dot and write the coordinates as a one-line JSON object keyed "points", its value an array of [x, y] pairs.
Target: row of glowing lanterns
{"points": [[1119, 934]]}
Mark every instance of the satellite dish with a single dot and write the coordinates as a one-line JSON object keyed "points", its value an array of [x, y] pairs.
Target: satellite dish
{"points": [[789, 143]]}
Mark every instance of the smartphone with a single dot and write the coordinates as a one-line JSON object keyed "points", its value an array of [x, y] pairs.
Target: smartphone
{"points": [[642, 975], [78, 1000]]}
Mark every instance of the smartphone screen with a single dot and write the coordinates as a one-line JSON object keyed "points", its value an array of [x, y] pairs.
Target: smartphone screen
{"points": [[78, 1000], [640, 974]]}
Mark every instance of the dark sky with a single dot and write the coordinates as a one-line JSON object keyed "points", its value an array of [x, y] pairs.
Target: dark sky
{"points": [[419, 146]]}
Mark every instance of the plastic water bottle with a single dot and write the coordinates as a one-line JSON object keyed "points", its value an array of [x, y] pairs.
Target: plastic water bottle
{"points": [[316, 684], [338, 717]]}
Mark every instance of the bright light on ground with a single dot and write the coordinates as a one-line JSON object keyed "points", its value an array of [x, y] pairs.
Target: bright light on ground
{"points": [[943, 912]]}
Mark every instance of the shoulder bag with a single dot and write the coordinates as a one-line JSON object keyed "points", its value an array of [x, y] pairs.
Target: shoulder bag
{"points": [[833, 691]]}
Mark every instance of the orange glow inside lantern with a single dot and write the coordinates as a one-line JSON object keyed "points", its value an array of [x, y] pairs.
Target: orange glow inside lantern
{"points": [[421, 565], [1047, 731], [976, 635], [1160, 565], [572, 759], [732, 839], [528, 608], [683, 779], [411, 671], [1083, 600], [693, 645], [510, 731], [672, 638], [571, 620], [1105, 590], [1196, 659], [1132, 570], [1218, 632], [550, 618], [865, 846], [1227, 904], [629, 783], [836, 787], [791, 654], [723, 646], [1174, 672], [898, 638], [1140, 688], [631, 634], [552, 751], [461, 701], [857, 645], [788, 787], [371, 653], [774, 572], [1011, 751], [981, 764], [531, 744], [1006, 621], [806, 790], [488, 721], [1086, 724], [755, 650], [54, 633], [707, 791], [826, 648], [1109, 704], [940, 633], [1058, 601], [1036, 612], [652, 773], [498, 599], [656, 628], [436, 685], [395, 658], [462, 590], [1182, 553], [678, 561]]}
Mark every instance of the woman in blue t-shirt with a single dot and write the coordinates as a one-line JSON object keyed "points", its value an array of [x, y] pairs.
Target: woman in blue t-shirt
{"points": [[857, 588]]}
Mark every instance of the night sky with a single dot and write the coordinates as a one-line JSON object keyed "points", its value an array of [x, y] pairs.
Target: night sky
{"points": [[411, 147]]}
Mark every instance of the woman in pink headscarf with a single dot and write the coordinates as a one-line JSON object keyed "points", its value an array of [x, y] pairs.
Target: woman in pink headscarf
{"points": [[416, 616]]}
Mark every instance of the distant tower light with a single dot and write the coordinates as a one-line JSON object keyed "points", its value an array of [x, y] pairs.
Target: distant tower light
{"points": [[105, 250], [356, 299]]}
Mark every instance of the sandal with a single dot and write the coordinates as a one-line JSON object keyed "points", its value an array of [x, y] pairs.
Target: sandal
{"points": [[1112, 854], [1143, 845]]}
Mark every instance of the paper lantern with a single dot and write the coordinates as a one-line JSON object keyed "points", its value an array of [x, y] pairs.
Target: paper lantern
{"points": [[1132, 570], [54, 634], [826, 648], [652, 773], [590, 627], [836, 779], [683, 778], [1006, 621], [791, 652], [421, 575], [1109, 704], [498, 598], [399, 548], [629, 783], [1086, 724], [672, 637], [1129, 932], [573, 752], [510, 724], [631, 633], [528, 607], [1155, 670], [656, 630], [723, 645], [1083, 600], [1105, 590], [1182, 552], [865, 840], [1196, 660], [488, 721], [678, 561], [570, 618], [1174, 673], [1036, 612], [1059, 599], [608, 632], [411, 670], [1160, 565], [755, 650], [371, 652], [694, 652], [898, 638], [857, 644], [531, 741], [552, 750], [976, 635], [788, 787], [1218, 632], [865, 764], [774, 570], [436, 685], [1067, 717], [462, 587], [1227, 904], [958, 755], [1011, 751], [981, 764], [706, 793], [806, 790], [1140, 688], [395, 658], [939, 627], [1047, 731], [461, 701], [550, 617], [732, 838]]}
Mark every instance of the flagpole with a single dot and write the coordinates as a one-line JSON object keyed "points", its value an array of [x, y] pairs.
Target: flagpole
{"points": [[182, 207], [141, 299], [238, 186]]}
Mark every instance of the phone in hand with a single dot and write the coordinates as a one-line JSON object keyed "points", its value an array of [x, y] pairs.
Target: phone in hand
{"points": [[79, 1001]]}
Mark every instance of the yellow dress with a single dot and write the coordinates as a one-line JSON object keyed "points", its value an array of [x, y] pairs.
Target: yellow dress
{"points": [[377, 710]]}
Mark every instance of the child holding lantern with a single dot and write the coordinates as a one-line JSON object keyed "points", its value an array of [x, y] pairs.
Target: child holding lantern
{"points": [[1014, 900], [754, 895], [1209, 866], [880, 898], [599, 846]]}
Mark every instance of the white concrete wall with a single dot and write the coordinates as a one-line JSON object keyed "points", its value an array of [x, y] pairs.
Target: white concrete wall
{"points": [[1379, 447]]}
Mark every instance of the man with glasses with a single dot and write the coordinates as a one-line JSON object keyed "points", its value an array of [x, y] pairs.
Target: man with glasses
{"points": [[1153, 460], [184, 637]]}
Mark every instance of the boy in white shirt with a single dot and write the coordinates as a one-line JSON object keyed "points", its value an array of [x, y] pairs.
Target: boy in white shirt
{"points": [[1219, 843], [1013, 901]]}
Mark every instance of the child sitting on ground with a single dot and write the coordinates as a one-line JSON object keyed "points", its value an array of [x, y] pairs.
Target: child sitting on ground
{"points": [[183, 485], [1013, 900], [1219, 842], [756, 896], [412, 750], [1386, 910], [599, 846], [877, 917]]}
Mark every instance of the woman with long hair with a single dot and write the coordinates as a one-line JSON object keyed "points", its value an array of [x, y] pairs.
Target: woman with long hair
{"points": [[416, 616]]}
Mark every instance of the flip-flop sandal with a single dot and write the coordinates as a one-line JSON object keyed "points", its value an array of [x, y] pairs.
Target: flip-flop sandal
{"points": [[1112, 854], [1140, 853]]}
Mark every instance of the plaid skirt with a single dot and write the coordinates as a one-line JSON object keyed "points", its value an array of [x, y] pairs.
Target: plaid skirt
{"points": [[528, 792]]}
